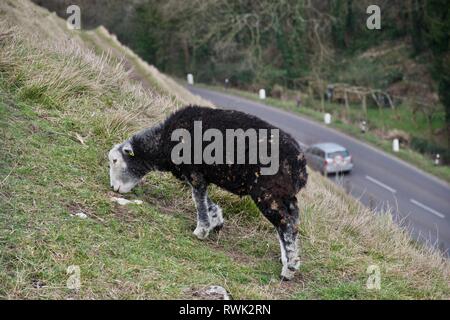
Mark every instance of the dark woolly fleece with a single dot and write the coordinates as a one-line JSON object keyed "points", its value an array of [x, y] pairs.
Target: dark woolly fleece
{"points": [[152, 151]]}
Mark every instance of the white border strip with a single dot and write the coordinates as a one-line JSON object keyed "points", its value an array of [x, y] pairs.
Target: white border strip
{"points": [[381, 184], [421, 205]]}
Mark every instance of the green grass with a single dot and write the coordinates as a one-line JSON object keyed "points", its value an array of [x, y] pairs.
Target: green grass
{"points": [[47, 174], [388, 119]]}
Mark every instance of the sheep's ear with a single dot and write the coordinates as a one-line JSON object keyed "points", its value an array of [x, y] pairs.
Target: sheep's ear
{"points": [[128, 149]]}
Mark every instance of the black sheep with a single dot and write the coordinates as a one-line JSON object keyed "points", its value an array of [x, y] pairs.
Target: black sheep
{"points": [[274, 193]]}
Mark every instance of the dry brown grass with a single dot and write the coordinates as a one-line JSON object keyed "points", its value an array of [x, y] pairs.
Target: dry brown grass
{"points": [[368, 237], [147, 71], [42, 59]]}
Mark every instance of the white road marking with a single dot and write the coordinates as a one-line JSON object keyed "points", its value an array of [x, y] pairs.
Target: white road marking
{"points": [[421, 205], [381, 184]]}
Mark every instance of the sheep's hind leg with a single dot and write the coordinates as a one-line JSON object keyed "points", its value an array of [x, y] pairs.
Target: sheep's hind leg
{"points": [[284, 216], [287, 235], [215, 215]]}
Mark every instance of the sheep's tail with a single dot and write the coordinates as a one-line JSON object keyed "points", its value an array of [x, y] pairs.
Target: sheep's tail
{"points": [[298, 163], [300, 176]]}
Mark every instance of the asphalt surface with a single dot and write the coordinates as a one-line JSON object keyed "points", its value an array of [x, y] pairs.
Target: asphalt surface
{"points": [[417, 200]]}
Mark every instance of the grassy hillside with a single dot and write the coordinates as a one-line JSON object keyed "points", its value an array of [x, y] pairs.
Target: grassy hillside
{"points": [[63, 105], [104, 42]]}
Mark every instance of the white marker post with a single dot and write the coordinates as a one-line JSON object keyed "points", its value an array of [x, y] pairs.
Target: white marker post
{"points": [[437, 160], [262, 94], [327, 118], [190, 79], [396, 145]]}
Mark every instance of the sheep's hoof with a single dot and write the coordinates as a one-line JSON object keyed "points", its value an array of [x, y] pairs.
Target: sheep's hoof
{"points": [[295, 266], [283, 278], [218, 227], [289, 270], [287, 275], [201, 233]]}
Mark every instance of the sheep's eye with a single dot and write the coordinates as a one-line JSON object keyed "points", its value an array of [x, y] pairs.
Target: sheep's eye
{"points": [[115, 160]]}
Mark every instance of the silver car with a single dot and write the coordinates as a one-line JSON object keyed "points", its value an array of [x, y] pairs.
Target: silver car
{"points": [[329, 158]]}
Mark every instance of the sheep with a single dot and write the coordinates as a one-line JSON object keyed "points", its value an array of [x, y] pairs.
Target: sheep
{"points": [[274, 193]]}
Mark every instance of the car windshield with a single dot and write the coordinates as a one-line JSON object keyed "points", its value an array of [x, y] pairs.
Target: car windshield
{"points": [[335, 154]]}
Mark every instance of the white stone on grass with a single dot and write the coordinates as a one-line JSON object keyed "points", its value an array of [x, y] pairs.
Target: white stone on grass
{"points": [[124, 202], [80, 215]]}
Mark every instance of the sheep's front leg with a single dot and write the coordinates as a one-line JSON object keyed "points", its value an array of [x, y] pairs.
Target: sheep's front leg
{"points": [[200, 197], [215, 215]]}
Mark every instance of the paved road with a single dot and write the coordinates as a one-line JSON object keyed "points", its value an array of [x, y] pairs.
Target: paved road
{"points": [[417, 200]]}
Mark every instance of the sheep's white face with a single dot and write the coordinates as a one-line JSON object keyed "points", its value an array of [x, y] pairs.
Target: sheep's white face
{"points": [[120, 176]]}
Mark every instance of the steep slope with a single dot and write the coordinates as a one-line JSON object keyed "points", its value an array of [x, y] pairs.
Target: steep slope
{"points": [[139, 69], [62, 106]]}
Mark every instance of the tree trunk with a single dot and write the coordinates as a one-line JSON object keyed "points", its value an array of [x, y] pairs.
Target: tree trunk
{"points": [[364, 104]]}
